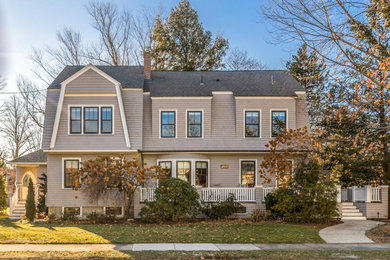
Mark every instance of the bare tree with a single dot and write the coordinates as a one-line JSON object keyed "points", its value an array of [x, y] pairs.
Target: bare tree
{"points": [[115, 47], [50, 61], [142, 29], [17, 128], [34, 100], [239, 60]]}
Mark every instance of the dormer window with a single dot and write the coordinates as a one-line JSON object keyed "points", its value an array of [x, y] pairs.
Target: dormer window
{"points": [[91, 120], [106, 127], [75, 120]]}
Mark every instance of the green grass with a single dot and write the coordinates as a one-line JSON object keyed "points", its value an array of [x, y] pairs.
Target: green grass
{"points": [[200, 232], [202, 255]]}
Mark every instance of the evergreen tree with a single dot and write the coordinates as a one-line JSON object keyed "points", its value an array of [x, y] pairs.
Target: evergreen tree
{"points": [[181, 43], [42, 188], [30, 203], [309, 71], [3, 194]]}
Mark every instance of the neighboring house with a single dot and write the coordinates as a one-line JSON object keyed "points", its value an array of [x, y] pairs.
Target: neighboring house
{"points": [[208, 128]]}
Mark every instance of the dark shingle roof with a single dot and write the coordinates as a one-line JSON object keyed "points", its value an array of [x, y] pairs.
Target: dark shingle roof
{"points": [[187, 83], [34, 157], [128, 76], [241, 83]]}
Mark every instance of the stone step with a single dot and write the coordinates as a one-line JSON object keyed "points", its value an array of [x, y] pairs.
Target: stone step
{"points": [[349, 207], [14, 217], [353, 218], [359, 214], [346, 203], [351, 210]]}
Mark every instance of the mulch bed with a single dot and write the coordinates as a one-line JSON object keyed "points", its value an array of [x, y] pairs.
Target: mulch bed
{"points": [[380, 234]]}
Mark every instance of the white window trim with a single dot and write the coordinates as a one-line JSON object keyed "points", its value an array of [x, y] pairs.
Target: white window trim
{"points": [[260, 123], [63, 170], [81, 210], [193, 165], [240, 173], [270, 122], [121, 215], [99, 118], [195, 110], [159, 123]]}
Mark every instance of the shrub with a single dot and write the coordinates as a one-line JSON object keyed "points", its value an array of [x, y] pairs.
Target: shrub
{"points": [[3, 194], [175, 199], [222, 209], [310, 197], [30, 202], [52, 218], [69, 216], [259, 215], [96, 218], [282, 203]]}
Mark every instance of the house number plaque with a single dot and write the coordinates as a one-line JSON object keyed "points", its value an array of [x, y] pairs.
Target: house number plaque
{"points": [[224, 166]]}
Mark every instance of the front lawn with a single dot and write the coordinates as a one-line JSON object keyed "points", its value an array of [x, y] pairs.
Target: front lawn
{"points": [[238, 231]]}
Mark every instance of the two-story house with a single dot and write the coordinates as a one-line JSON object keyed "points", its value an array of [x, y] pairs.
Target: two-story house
{"points": [[209, 128]]}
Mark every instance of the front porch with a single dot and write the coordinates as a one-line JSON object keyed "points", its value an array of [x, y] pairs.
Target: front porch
{"points": [[355, 203], [249, 197], [30, 166]]}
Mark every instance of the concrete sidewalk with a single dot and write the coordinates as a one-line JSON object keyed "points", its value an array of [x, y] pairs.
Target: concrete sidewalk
{"points": [[351, 231], [190, 247]]}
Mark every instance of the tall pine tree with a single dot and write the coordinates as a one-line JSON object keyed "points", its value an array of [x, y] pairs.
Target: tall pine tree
{"points": [[30, 202], [3, 194], [181, 43], [42, 188], [309, 71]]}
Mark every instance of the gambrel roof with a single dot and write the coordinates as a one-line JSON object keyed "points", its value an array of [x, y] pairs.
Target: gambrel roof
{"points": [[188, 83]]}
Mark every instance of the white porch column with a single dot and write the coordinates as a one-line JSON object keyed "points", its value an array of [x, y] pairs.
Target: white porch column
{"points": [[353, 193], [367, 193], [338, 188]]}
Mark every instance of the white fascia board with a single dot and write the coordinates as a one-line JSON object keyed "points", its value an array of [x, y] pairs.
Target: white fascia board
{"points": [[123, 116], [85, 69]]}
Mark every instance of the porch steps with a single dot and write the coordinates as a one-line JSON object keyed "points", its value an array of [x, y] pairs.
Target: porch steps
{"points": [[18, 211], [351, 212]]}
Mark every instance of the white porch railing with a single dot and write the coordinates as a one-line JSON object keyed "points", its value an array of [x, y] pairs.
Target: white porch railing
{"points": [[266, 191], [147, 194], [376, 194], [221, 194], [362, 194], [211, 194]]}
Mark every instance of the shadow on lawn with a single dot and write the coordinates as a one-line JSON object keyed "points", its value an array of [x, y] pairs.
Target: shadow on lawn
{"points": [[6, 222]]}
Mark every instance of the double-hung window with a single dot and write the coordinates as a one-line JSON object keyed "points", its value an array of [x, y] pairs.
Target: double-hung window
{"points": [[91, 120], [106, 120], [194, 124], [69, 166], [201, 173], [279, 122], [75, 120], [168, 124], [248, 173], [183, 170], [252, 123], [166, 168]]}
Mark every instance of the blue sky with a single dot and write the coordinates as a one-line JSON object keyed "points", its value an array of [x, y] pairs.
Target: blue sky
{"points": [[25, 24]]}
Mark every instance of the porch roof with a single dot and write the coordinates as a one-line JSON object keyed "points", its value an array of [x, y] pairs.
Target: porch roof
{"points": [[37, 157]]}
